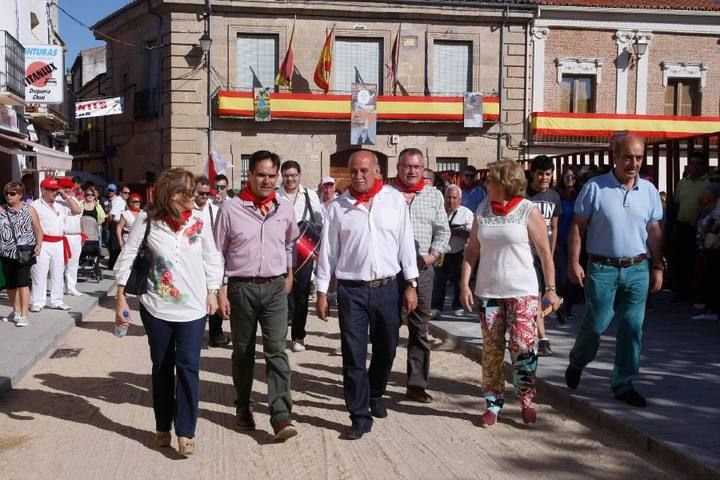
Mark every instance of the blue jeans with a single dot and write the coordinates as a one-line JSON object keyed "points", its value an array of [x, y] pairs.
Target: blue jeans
{"points": [[610, 290], [361, 308], [175, 347]]}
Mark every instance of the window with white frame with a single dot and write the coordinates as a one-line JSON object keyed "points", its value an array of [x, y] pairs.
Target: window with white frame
{"points": [[257, 60], [452, 67], [357, 60], [453, 164], [578, 79], [684, 83]]}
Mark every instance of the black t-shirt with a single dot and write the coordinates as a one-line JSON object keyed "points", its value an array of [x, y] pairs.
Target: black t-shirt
{"points": [[549, 204]]}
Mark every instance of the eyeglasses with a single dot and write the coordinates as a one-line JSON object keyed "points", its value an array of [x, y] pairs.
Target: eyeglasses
{"points": [[220, 187], [11, 194], [134, 201], [125, 192], [428, 178], [468, 175], [89, 194], [202, 194]]}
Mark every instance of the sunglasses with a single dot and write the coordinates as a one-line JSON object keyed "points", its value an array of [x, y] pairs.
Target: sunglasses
{"points": [[11, 194], [220, 187], [134, 201], [468, 175], [202, 194], [89, 194], [125, 193], [428, 178]]}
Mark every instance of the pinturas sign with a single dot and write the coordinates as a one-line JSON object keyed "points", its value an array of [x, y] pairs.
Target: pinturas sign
{"points": [[44, 74], [99, 107]]}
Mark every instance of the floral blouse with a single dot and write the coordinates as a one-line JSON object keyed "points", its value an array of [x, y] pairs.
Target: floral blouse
{"points": [[186, 264]]}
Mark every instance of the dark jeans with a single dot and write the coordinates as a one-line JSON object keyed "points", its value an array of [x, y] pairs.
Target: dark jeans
{"points": [[570, 292], [113, 245], [298, 301], [215, 326], [361, 308], [266, 304], [175, 348], [683, 259], [712, 277], [450, 271], [418, 354]]}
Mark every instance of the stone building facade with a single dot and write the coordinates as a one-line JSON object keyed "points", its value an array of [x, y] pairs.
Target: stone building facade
{"points": [[157, 64]]}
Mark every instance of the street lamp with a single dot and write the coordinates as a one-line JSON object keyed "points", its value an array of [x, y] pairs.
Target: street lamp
{"points": [[205, 42], [640, 45]]}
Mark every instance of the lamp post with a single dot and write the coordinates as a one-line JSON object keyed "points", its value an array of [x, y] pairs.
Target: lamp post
{"points": [[205, 43]]}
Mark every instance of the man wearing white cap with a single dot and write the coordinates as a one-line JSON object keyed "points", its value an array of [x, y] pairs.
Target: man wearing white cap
{"points": [[72, 232], [55, 250], [327, 192]]}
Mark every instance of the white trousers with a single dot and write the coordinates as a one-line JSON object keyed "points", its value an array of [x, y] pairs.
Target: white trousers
{"points": [[71, 269], [50, 261]]}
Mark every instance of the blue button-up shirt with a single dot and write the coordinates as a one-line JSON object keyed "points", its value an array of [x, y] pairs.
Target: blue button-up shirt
{"points": [[618, 218], [472, 198]]}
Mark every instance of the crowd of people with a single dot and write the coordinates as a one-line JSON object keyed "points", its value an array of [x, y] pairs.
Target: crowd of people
{"points": [[514, 245]]}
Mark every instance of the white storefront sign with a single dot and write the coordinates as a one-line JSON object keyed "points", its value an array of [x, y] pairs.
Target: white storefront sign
{"points": [[44, 74], [99, 107]]}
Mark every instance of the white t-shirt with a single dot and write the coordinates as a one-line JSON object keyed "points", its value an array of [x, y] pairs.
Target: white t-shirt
{"points": [[460, 219], [506, 262], [117, 205], [299, 204]]}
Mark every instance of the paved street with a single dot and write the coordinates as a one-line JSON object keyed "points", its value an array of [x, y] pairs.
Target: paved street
{"points": [[89, 416]]}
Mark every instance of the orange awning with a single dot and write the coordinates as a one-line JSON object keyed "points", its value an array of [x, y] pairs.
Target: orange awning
{"points": [[389, 108], [605, 124]]}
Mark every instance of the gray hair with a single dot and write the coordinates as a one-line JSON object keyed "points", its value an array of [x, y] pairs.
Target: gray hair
{"points": [[452, 186]]}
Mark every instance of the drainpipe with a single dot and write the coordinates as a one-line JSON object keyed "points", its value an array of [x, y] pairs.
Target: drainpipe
{"points": [[160, 73], [501, 83]]}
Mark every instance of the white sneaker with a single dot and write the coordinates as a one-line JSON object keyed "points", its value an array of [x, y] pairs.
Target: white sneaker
{"points": [[459, 313], [21, 321], [297, 346], [60, 306], [435, 313], [75, 292], [35, 308], [705, 316]]}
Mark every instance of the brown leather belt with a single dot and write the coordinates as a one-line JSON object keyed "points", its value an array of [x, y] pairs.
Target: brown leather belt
{"points": [[619, 262], [256, 280], [368, 283]]}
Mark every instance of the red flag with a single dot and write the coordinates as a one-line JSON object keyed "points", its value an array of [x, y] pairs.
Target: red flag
{"points": [[212, 173], [324, 64], [284, 76], [395, 56]]}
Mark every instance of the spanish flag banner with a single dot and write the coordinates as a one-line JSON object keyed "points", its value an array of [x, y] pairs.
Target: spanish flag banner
{"points": [[284, 76], [324, 64]]}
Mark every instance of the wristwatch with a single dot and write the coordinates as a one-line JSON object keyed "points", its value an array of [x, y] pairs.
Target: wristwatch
{"points": [[213, 291], [411, 283]]}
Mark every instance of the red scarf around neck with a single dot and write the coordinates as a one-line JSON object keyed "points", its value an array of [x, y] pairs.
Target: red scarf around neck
{"points": [[500, 209], [400, 185], [173, 224], [367, 196], [248, 195]]}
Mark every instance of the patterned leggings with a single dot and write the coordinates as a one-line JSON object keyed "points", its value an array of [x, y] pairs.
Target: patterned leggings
{"points": [[517, 316]]}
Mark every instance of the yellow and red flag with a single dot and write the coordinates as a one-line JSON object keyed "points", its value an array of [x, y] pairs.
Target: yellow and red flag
{"points": [[324, 64], [284, 76]]}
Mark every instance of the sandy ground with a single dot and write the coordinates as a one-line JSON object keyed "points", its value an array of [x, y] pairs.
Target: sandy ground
{"points": [[90, 417]]}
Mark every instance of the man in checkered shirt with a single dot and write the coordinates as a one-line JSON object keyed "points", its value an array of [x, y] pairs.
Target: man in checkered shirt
{"points": [[432, 233]]}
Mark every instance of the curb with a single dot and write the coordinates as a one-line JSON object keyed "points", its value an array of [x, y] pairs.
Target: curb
{"points": [[48, 341], [563, 399]]}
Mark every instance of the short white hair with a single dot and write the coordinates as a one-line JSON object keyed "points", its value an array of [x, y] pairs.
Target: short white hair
{"points": [[452, 186]]}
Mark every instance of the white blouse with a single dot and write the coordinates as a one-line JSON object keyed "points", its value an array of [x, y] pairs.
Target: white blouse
{"points": [[185, 265]]}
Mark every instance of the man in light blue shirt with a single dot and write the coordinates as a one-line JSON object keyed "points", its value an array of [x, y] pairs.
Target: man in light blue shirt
{"points": [[472, 193], [620, 214]]}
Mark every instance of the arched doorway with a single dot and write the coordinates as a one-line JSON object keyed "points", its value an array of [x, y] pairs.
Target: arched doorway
{"points": [[339, 166]]}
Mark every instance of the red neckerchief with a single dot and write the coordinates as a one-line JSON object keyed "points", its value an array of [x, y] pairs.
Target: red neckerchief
{"points": [[173, 224], [134, 209], [500, 209], [260, 203], [400, 185], [367, 196]]}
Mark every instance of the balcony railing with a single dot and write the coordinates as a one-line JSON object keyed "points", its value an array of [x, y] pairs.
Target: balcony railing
{"points": [[12, 65], [147, 103]]}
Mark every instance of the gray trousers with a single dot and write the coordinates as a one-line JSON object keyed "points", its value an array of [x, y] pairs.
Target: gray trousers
{"points": [[418, 349], [266, 304]]}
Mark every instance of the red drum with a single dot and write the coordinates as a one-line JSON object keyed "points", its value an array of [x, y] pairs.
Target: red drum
{"points": [[307, 243]]}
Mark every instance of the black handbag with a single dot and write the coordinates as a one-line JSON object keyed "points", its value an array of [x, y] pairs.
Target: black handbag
{"points": [[137, 281], [25, 253]]}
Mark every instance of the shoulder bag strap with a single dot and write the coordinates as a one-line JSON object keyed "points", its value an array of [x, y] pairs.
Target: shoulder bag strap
{"points": [[147, 232], [212, 219], [308, 205]]}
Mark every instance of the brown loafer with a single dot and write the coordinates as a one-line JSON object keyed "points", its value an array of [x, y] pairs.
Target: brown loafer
{"points": [[419, 395], [245, 420], [163, 439], [284, 430]]}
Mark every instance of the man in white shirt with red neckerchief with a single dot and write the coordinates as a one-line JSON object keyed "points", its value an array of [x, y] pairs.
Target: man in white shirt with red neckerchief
{"points": [[366, 242], [307, 208], [426, 207], [208, 212], [55, 251], [72, 231]]}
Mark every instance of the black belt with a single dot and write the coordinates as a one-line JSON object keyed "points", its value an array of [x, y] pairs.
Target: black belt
{"points": [[619, 262], [256, 280], [368, 283]]}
